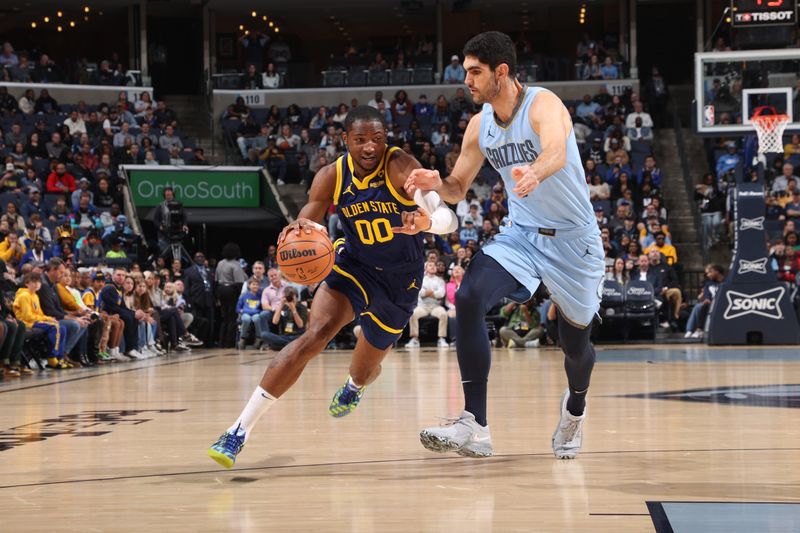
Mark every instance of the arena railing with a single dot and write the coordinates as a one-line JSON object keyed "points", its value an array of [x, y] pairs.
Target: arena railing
{"points": [[72, 94]]}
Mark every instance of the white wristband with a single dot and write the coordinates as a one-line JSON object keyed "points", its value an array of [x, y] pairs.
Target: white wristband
{"points": [[443, 220]]}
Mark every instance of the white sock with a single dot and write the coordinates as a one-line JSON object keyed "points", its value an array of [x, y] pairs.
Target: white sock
{"points": [[258, 404], [351, 383]]}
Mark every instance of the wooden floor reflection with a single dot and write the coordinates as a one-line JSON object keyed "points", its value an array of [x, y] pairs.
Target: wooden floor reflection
{"points": [[123, 448]]}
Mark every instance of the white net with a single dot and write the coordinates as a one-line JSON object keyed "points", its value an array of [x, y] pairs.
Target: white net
{"points": [[770, 132]]}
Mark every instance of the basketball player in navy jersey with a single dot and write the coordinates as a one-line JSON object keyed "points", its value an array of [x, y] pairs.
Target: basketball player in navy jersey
{"points": [[551, 237], [376, 277]]}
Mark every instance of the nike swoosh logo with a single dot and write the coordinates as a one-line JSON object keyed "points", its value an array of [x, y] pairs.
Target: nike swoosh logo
{"points": [[265, 396], [480, 439]]}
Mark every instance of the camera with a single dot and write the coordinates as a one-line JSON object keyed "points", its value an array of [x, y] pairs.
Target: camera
{"points": [[174, 221]]}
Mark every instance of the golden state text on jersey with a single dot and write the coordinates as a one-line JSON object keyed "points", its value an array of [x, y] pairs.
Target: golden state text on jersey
{"points": [[368, 208]]}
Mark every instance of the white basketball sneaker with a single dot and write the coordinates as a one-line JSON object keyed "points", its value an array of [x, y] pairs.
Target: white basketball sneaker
{"points": [[568, 436], [462, 435]]}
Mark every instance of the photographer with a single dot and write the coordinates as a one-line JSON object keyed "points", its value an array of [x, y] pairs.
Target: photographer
{"points": [[169, 220], [290, 317]]}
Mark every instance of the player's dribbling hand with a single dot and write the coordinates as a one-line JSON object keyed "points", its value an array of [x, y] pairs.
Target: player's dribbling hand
{"points": [[526, 180], [301, 224], [414, 222], [422, 178]]}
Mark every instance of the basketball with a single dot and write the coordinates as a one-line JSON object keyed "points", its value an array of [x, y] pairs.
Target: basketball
{"points": [[306, 258]]}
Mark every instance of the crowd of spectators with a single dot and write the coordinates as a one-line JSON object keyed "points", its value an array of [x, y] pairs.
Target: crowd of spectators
{"points": [[28, 67]]}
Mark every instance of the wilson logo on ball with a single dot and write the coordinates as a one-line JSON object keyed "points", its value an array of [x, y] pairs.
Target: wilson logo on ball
{"points": [[286, 255]]}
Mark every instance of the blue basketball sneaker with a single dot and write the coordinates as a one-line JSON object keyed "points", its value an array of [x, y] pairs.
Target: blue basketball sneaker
{"points": [[227, 447], [345, 400]]}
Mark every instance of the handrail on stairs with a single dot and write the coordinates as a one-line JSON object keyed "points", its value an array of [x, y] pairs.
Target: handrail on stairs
{"points": [[687, 176]]}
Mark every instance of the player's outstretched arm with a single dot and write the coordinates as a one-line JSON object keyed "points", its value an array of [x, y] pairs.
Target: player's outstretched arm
{"points": [[433, 215], [550, 120], [453, 188], [320, 197]]}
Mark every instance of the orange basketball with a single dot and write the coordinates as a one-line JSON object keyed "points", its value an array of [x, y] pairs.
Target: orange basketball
{"points": [[306, 258]]}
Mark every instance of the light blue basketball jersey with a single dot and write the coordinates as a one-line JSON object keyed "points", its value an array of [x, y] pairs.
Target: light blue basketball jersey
{"points": [[560, 202]]}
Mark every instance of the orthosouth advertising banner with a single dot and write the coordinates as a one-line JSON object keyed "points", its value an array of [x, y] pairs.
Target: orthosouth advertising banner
{"points": [[196, 187], [751, 305]]}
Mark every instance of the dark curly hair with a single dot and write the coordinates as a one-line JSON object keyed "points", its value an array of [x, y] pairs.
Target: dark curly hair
{"points": [[493, 48]]}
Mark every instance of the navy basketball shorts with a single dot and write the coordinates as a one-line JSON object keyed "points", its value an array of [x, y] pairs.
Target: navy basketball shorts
{"points": [[382, 301]]}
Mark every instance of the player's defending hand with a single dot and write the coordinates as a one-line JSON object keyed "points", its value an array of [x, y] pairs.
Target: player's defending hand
{"points": [[422, 178], [414, 222], [301, 224], [526, 180]]}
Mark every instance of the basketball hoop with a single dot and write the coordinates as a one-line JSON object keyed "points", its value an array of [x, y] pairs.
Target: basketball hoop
{"points": [[769, 129]]}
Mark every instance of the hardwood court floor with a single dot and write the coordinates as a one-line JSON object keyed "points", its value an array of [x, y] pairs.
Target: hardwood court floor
{"points": [[123, 448]]}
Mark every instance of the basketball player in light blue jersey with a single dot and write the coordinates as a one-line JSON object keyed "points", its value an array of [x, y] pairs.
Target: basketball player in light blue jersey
{"points": [[551, 237]]}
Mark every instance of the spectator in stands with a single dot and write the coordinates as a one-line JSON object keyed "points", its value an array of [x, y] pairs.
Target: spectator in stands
{"points": [[340, 115], [290, 319], [249, 308], [523, 325], [251, 79], [164, 116], [254, 45], [27, 104], [8, 104], [16, 136], [8, 58], [727, 163], [617, 158], [122, 136], [670, 292], [781, 182], [199, 283], [75, 123], [639, 132], [318, 121], [45, 103], [55, 148], [638, 111], [60, 181], [422, 108], [112, 302], [661, 245], [618, 272], [644, 273], [401, 105], [431, 293], [587, 108], [650, 168], [609, 70], [92, 249], [169, 139], [454, 72], [793, 207], [270, 79], [790, 149], [287, 140], [27, 308], [12, 249], [460, 107], [74, 323], [599, 190], [657, 94], [456, 277], [377, 99], [695, 326]]}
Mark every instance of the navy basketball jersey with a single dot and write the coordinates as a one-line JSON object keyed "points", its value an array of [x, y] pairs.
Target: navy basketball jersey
{"points": [[368, 208]]}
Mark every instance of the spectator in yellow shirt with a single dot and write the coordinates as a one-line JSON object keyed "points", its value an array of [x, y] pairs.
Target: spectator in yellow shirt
{"points": [[28, 310], [12, 249], [668, 250]]}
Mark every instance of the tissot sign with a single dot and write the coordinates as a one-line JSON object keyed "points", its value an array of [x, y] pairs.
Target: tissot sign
{"points": [[748, 13], [751, 306]]}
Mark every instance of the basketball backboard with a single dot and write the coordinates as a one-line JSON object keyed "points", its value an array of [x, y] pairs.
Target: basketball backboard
{"points": [[730, 86]]}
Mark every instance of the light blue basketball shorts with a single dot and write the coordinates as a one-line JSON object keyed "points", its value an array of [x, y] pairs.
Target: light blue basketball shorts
{"points": [[570, 263]]}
